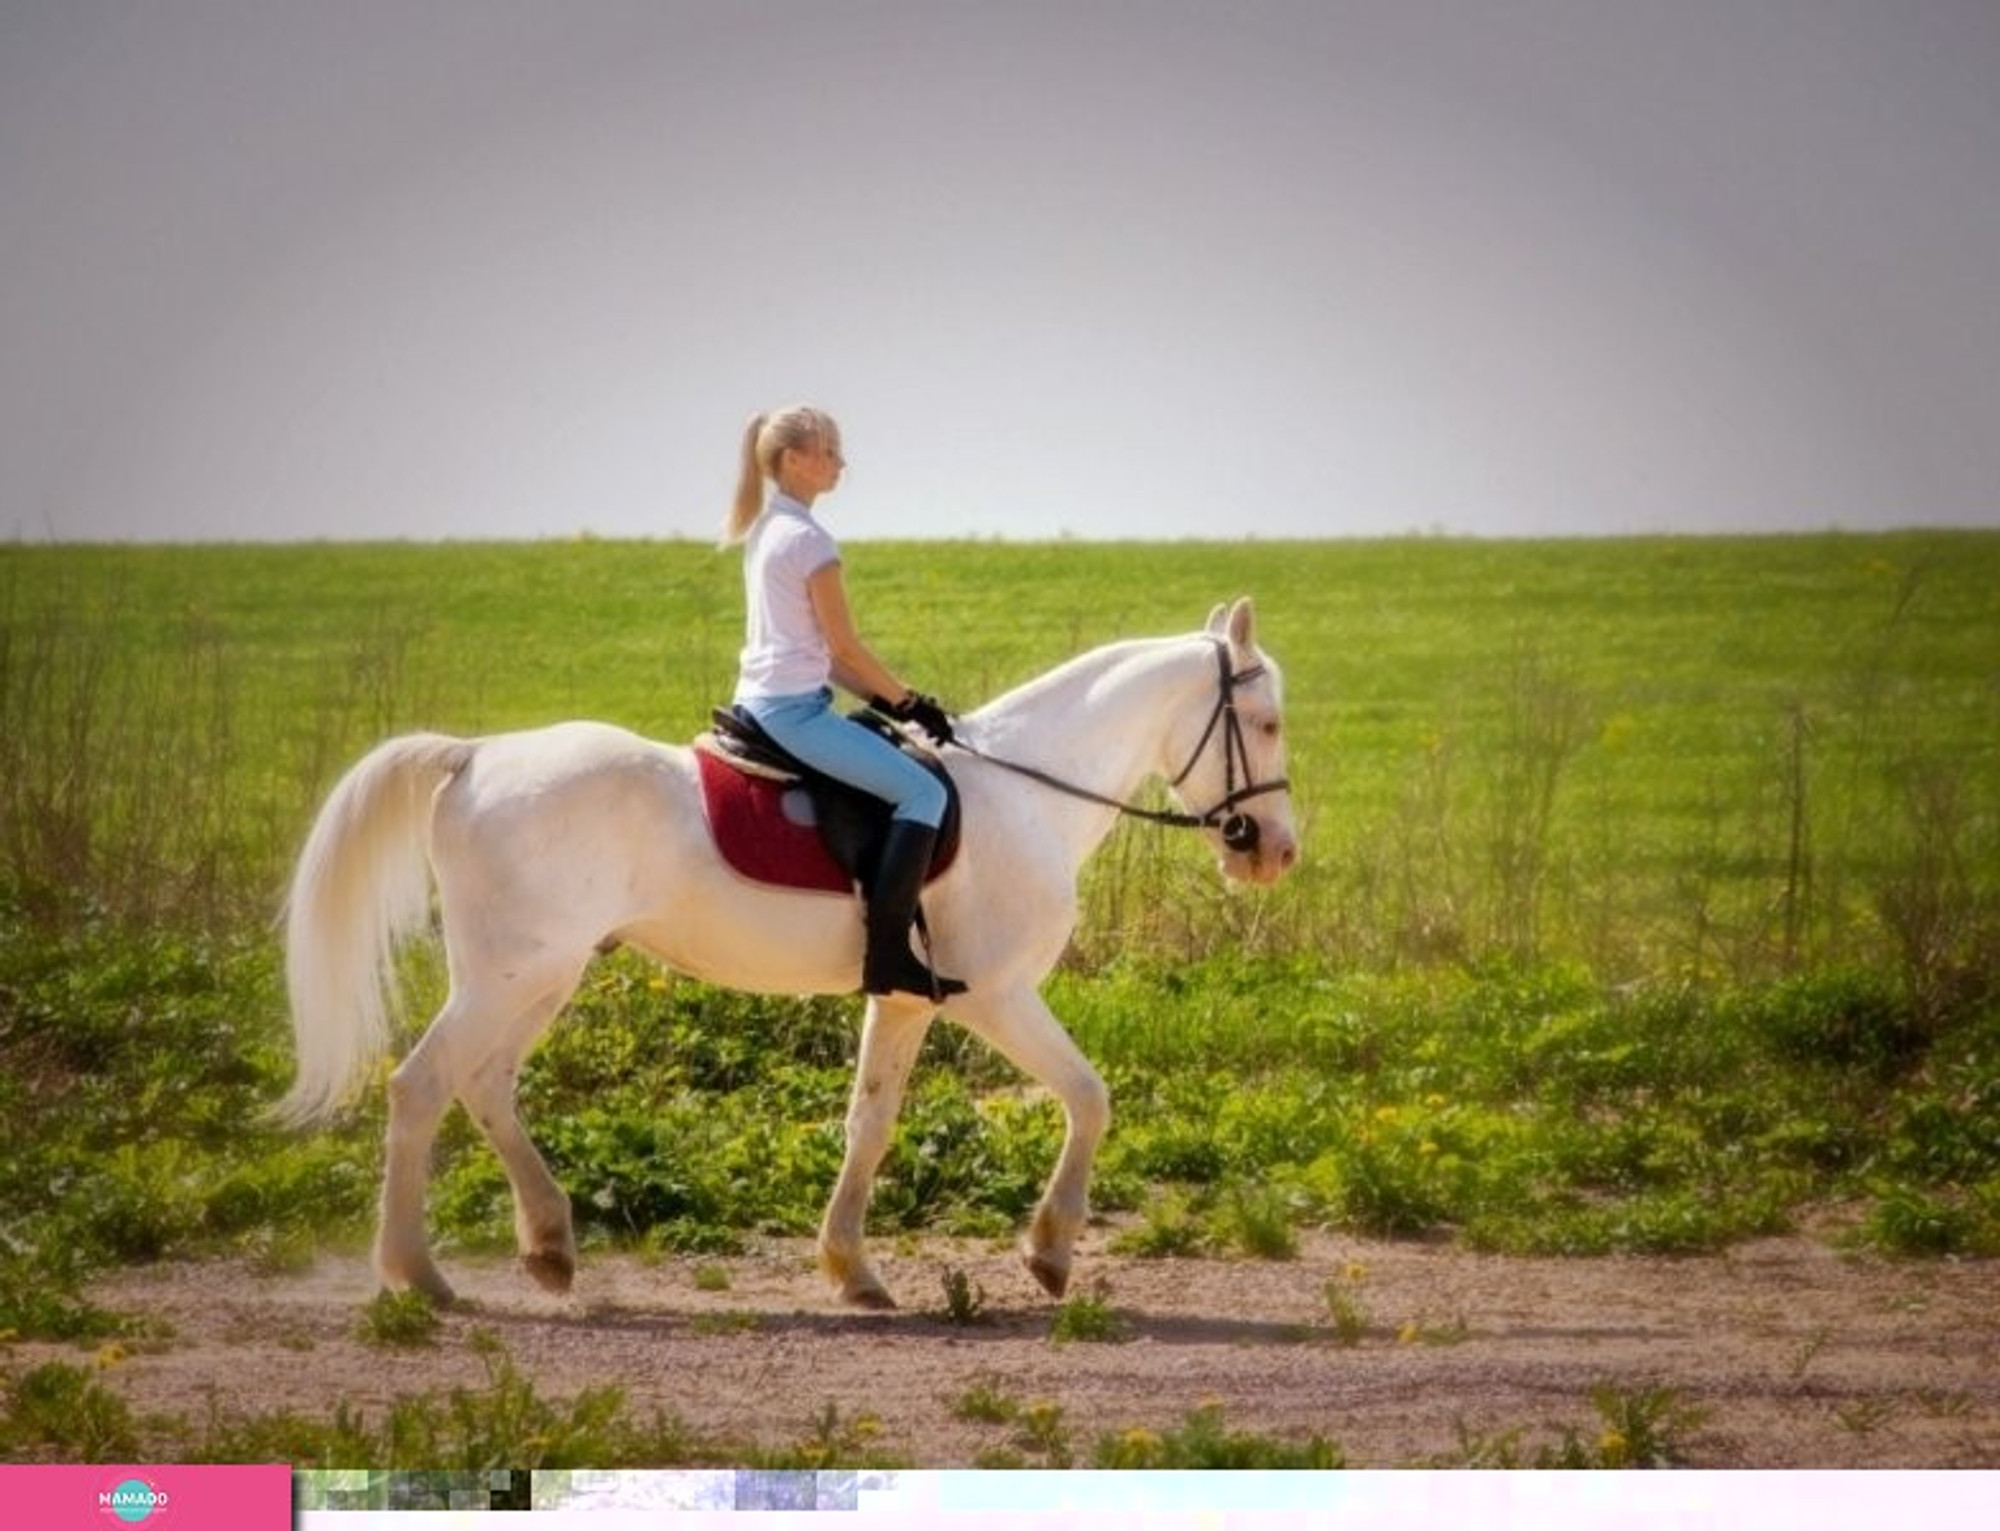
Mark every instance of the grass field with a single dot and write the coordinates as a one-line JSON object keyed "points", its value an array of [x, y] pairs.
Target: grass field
{"points": [[1733, 758], [1651, 897]]}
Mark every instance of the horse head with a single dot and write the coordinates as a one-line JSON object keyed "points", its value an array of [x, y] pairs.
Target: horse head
{"points": [[1234, 779]]}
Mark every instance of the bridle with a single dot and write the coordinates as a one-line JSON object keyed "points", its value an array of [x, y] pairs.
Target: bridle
{"points": [[1240, 831]]}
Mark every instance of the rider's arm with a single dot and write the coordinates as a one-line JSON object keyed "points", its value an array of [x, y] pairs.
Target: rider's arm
{"points": [[855, 666]]}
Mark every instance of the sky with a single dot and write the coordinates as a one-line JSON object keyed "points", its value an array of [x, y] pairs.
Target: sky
{"points": [[1090, 268]]}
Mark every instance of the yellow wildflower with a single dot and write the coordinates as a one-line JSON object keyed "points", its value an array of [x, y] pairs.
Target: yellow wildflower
{"points": [[1139, 1447]]}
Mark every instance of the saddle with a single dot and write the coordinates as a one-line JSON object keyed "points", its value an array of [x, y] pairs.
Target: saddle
{"points": [[778, 820]]}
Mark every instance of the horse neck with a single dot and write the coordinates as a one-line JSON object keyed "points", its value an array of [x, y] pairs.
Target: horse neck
{"points": [[1103, 721]]}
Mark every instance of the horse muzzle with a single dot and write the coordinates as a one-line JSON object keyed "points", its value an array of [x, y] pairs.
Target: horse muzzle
{"points": [[1254, 853]]}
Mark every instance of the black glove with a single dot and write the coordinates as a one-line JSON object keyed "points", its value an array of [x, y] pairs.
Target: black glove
{"points": [[924, 711]]}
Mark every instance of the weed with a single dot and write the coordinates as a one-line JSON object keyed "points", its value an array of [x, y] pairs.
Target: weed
{"points": [[964, 1299], [506, 1420], [1201, 1442], [711, 1278], [721, 1325], [1043, 1431], [985, 1403], [36, 1306], [1642, 1428], [398, 1320], [58, 1412], [1421, 1331], [1259, 1222], [832, 1442], [1345, 1310], [1909, 1221], [1809, 1351], [1169, 1228], [1088, 1317], [1939, 1404], [279, 1251], [1635, 1430], [1864, 1416], [1500, 1450]]}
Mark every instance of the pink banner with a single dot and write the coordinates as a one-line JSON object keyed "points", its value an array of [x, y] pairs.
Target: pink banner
{"points": [[157, 1498]]}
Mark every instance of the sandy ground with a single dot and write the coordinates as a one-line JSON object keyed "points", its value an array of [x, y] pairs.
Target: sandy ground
{"points": [[1797, 1355]]}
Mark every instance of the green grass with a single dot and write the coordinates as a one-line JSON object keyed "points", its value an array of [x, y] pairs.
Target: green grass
{"points": [[60, 1412], [1651, 896], [1517, 1110], [398, 1320], [1595, 751], [1087, 1318]]}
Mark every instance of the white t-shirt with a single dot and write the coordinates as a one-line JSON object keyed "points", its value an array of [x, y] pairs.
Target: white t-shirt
{"points": [[784, 653]]}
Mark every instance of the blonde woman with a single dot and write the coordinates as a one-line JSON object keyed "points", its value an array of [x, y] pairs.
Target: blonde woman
{"points": [[800, 642]]}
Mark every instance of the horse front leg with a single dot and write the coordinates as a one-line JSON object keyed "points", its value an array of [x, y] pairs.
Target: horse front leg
{"points": [[1020, 1025], [892, 1035]]}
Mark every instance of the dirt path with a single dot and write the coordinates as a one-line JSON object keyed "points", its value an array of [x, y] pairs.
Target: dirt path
{"points": [[1796, 1354]]}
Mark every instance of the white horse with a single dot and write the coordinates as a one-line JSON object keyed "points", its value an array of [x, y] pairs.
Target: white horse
{"points": [[545, 845]]}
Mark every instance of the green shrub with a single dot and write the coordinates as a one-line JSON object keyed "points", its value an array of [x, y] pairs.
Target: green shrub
{"points": [[1088, 1317], [58, 1412], [1201, 1443], [398, 1321], [1843, 1019]]}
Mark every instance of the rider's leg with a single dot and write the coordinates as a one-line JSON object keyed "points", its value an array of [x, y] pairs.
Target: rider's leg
{"points": [[889, 965], [811, 730]]}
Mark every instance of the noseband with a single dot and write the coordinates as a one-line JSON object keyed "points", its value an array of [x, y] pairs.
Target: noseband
{"points": [[1240, 830]]}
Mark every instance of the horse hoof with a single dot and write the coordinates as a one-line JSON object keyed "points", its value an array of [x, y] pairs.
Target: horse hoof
{"points": [[552, 1269], [1054, 1278]]}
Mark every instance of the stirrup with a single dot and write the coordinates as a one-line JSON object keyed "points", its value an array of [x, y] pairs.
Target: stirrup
{"points": [[914, 979], [906, 975]]}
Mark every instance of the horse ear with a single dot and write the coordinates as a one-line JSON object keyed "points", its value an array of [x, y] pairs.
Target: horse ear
{"points": [[1218, 620], [1242, 625]]}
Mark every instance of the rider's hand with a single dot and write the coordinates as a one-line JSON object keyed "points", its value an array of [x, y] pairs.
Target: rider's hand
{"points": [[928, 714]]}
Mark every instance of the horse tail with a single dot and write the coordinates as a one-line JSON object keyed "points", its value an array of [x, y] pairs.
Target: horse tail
{"points": [[362, 885]]}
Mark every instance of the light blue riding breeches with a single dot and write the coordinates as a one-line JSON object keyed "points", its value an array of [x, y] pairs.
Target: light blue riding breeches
{"points": [[808, 726]]}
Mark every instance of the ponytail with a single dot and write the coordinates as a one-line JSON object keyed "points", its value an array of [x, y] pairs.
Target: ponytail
{"points": [[764, 441], [749, 487]]}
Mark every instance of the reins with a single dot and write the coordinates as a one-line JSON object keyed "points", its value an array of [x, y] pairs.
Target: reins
{"points": [[1239, 830]]}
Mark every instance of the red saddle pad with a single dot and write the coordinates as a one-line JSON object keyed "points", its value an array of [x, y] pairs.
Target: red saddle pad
{"points": [[761, 835], [765, 831]]}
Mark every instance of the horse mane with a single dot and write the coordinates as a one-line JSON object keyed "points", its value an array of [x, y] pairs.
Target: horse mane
{"points": [[1056, 691]]}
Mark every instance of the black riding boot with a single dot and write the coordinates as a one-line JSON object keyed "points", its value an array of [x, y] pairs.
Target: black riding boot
{"points": [[890, 965]]}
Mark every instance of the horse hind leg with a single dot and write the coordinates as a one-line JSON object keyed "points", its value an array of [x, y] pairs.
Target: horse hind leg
{"points": [[544, 1230], [419, 1094], [421, 1090]]}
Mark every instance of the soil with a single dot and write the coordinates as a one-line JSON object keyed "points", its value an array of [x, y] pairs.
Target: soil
{"points": [[1795, 1354]]}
